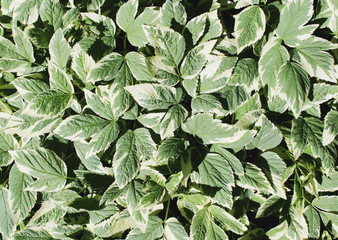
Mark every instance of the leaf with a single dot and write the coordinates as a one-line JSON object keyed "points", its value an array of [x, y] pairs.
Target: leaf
{"points": [[271, 206], [207, 103], [153, 230], [172, 120], [195, 59], [32, 233], [273, 56], [267, 137], [195, 28], [44, 165], [216, 233], [59, 79], [245, 74], [226, 219], [330, 127], [174, 230], [291, 27], [106, 68], [218, 132], [137, 65], [307, 131], [29, 88], [253, 178], [155, 96], [309, 53], [27, 12], [49, 103], [326, 203], [7, 223], [82, 62], [7, 143], [293, 85], [145, 145], [172, 11], [214, 171], [59, 49], [99, 105], [22, 201], [126, 14], [313, 221], [126, 162], [249, 27], [200, 224], [51, 13], [23, 45]]}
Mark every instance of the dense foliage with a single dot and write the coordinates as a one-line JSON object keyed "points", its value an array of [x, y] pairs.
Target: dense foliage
{"points": [[144, 120]]}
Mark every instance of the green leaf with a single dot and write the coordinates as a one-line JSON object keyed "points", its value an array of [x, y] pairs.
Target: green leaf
{"points": [[49, 103], [293, 85], [172, 11], [330, 127], [155, 96], [126, 162], [273, 56], [23, 45], [7, 223], [174, 230], [271, 206], [218, 132], [7, 143], [216, 74], [207, 103], [27, 12], [293, 17], [196, 27], [51, 13], [245, 74], [32, 233], [200, 225], [172, 120], [126, 14], [106, 68], [308, 131], [214, 171], [267, 137], [137, 65], [326, 203], [195, 59], [22, 201], [44, 165], [313, 221], [99, 105], [216, 233], [153, 230], [249, 27], [314, 60], [234, 162], [227, 220], [82, 63], [59, 49], [254, 179], [29, 88], [59, 79], [145, 145]]}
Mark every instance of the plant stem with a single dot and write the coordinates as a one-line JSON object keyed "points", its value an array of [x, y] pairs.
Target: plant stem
{"points": [[167, 210]]}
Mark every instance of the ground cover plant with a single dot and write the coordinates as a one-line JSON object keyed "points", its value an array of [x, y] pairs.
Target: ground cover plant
{"points": [[144, 120]]}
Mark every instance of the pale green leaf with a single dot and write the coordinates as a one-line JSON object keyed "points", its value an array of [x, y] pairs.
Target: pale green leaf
{"points": [[195, 28], [22, 201], [267, 137], [137, 65], [330, 127], [218, 132], [7, 143], [271, 206], [32, 233], [126, 162], [195, 59], [273, 56], [293, 85], [326, 203], [49, 103], [245, 74], [234, 96], [174, 230], [99, 105], [155, 96], [7, 223], [226, 219], [145, 145], [59, 79], [23, 45], [249, 27], [215, 233], [207, 103], [82, 62], [172, 11], [200, 225], [313, 221], [59, 49], [153, 230], [51, 12], [314, 60], [126, 14], [106, 68], [29, 88], [214, 171], [42, 164], [293, 17], [27, 12], [172, 120], [254, 179]]}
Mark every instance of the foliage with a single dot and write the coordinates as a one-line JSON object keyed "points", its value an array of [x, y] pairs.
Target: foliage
{"points": [[146, 119]]}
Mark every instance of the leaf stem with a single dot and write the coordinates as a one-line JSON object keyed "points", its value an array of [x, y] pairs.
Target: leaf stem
{"points": [[167, 210]]}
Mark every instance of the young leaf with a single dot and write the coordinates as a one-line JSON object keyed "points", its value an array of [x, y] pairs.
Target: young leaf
{"points": [[249, 27]]}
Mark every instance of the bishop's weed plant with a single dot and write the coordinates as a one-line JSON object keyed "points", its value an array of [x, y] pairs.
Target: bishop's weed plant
{"points": [[173, 120]]}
